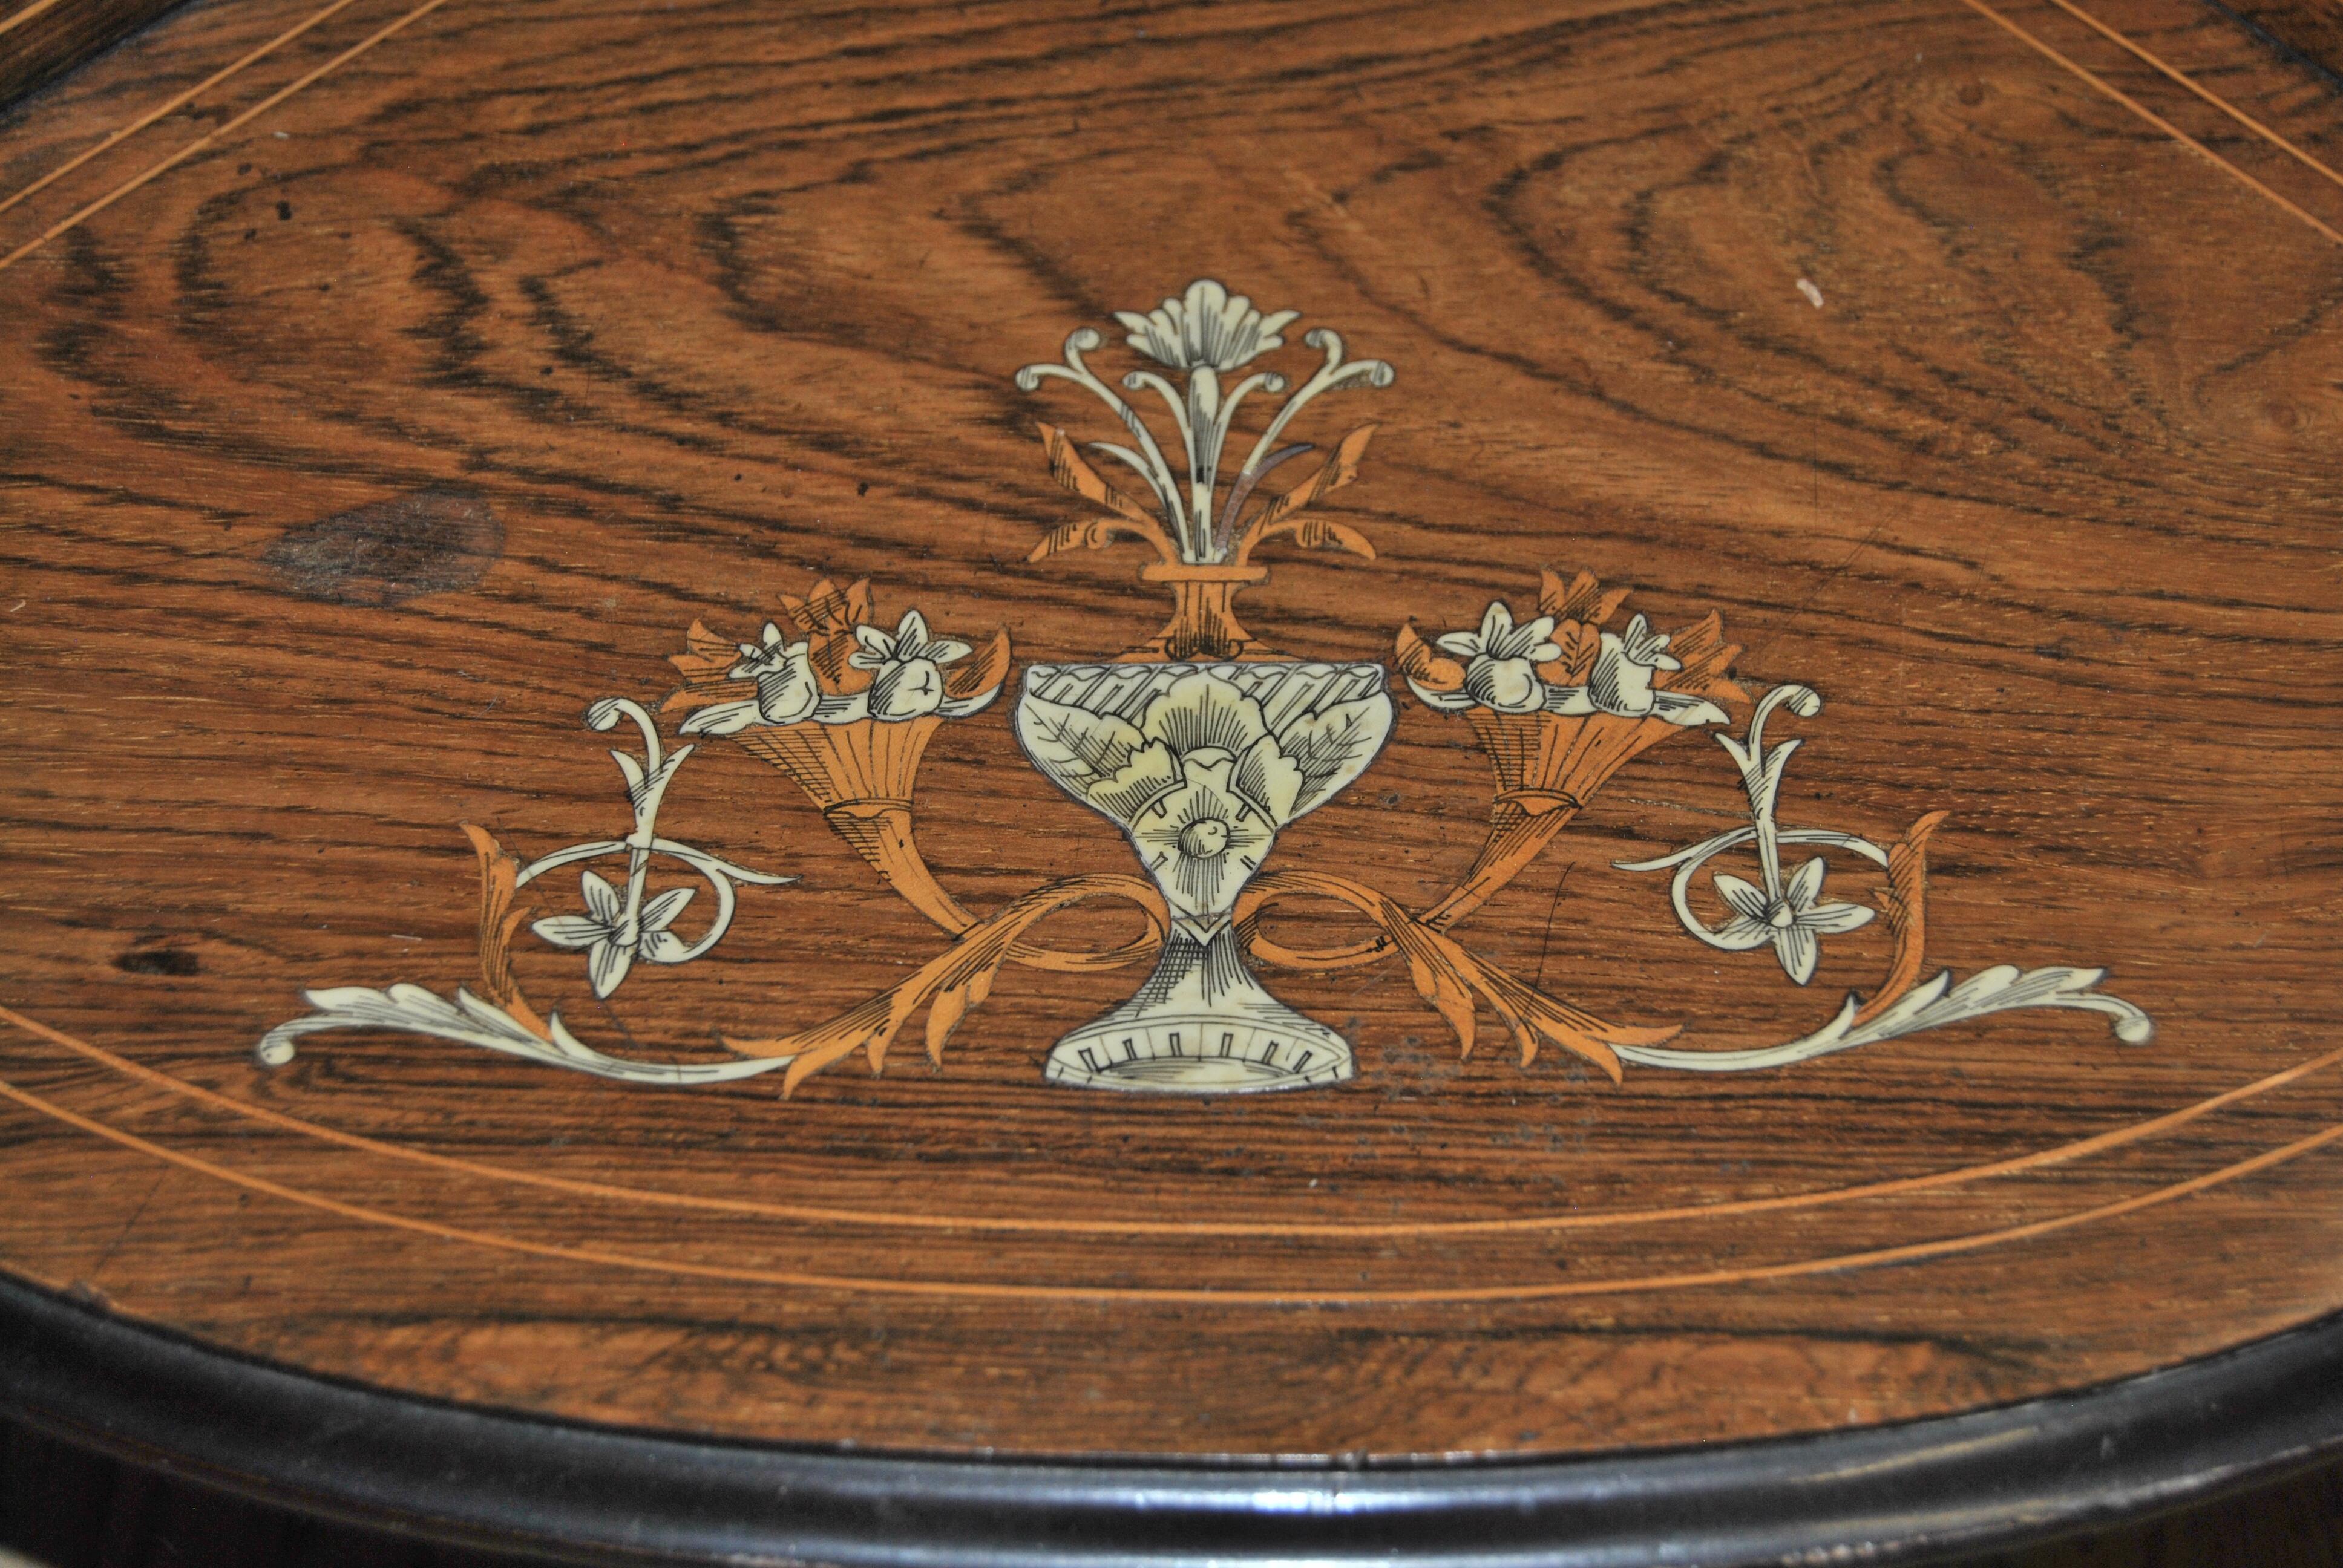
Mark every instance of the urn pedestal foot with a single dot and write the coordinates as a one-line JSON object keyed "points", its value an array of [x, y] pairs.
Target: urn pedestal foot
{"points": [[1201, 1025]]}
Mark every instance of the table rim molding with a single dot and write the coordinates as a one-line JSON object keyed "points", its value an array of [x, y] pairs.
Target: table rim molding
{"points": [[1998, 1477]]}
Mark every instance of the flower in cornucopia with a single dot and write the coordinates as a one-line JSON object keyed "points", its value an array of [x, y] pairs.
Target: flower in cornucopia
{"points": [[1523, 669], [906, 668], [787, 690], [1503, 672], [844, 671], [879, 698], [1600, 700], [1621, 680]]}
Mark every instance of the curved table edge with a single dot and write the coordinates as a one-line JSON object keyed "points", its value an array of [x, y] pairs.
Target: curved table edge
{"points": [[1982, 1478]]}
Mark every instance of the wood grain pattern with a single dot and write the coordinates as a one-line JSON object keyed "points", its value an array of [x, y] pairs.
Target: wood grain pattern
{"points": [[420, 374], [41, 40], [2310, 32]]}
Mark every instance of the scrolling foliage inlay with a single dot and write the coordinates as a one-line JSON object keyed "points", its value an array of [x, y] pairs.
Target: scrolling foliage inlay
{"points": [[1202, 745]]}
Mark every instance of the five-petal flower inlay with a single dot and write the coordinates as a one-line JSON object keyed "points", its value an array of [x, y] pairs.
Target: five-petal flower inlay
{"points": [[1793, 920], [612, 942]]}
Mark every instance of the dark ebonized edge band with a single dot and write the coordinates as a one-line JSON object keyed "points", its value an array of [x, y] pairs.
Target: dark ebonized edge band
{"points": [[1907, 1490]]}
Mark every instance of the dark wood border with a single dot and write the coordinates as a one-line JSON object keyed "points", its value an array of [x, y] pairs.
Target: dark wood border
{"points": [[478, 1477]]}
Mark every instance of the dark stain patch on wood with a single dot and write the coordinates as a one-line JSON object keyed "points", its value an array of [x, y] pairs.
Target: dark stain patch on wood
{"points": [[433, 542], [158, 956]]}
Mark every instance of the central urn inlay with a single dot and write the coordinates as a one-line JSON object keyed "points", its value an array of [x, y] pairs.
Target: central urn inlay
{"points": [[1202, 766]]}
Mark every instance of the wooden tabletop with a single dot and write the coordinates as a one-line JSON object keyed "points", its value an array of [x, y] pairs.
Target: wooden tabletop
{"points": [[1702, 646]]}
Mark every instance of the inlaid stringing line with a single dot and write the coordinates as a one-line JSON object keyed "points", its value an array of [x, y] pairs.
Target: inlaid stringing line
{"points": [[2150, 115], [1894, 1186], [26, 14], [208, 137], [1915, 1252], [294, 32], [172, 104], [2190, 83]]}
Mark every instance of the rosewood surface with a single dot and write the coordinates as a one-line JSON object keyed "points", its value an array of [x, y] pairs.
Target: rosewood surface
{"points": [[375, 407], [43, 39]]}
